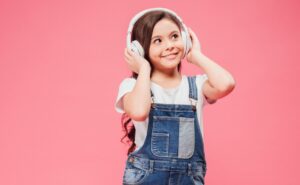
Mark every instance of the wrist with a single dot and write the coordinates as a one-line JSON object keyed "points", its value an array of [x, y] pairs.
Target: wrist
{"points": [[145, 67], [196, 57]]}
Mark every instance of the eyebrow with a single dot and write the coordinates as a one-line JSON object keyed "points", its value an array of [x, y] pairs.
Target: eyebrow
{"points": [[157, 36]]}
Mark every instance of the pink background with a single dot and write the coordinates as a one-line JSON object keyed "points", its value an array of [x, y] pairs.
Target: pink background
{"points": [[61, 63]]}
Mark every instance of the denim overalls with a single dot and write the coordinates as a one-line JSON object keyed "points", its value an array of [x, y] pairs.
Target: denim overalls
{"points": [[173, 151]]}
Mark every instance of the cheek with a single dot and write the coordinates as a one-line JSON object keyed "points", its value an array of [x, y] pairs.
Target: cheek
{"points": [[154, 52], [179, 44]]}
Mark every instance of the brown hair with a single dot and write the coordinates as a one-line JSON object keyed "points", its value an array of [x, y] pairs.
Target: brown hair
{"points": [[142, 32]]}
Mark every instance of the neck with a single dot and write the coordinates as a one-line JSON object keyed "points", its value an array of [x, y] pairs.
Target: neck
{"points": [[165, 77]]}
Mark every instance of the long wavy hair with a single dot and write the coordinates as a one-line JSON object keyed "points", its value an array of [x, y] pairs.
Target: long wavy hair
{"points": [[142, 32]]}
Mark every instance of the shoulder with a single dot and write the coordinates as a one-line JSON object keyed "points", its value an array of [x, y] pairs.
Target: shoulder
{"points": [[199, 79], [128, 80], [126, 86], [198, 76], [127, 83], [204, 86], [201, 82]]}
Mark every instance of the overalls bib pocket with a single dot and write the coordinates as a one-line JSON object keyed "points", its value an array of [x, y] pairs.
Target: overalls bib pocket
{"points": [[173, 137]]}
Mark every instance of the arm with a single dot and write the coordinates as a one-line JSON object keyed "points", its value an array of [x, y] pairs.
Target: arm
{"points": [[137, 103], [220, 82]]}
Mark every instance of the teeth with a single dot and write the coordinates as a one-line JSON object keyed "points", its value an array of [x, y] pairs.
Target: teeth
{"points": [[171, 54]]}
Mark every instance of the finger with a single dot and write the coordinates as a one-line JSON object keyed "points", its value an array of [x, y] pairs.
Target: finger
{"points": [[126, 58], [128, 61], [192, 34], [131, 53], [125, 52], [195, 40], [190, 30], [127, 55]]}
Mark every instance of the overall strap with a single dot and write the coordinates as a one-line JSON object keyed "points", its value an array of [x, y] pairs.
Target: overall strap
{"points": [[151, 93], [152, 97], [193, 93]]}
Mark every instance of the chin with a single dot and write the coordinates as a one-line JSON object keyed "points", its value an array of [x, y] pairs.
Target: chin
{"points": [[171, 64]]}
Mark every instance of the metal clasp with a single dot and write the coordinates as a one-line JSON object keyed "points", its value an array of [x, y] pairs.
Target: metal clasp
{"points": [[193, 103], [151, 166], [153, 105], [189, 169], [131, 159]]}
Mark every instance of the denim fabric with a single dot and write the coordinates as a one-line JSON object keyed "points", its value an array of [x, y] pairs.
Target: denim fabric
{"points": [[173, 151]]}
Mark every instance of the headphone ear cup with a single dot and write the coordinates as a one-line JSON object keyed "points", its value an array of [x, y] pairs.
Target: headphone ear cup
{"points": [[184, 40], [137, 48], [188, 43]]}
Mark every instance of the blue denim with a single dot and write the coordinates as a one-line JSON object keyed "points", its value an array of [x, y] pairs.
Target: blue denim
{"points": [[173, 151]]}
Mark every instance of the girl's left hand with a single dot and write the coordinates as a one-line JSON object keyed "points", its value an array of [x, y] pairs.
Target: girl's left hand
{"points": [[196, 48]]}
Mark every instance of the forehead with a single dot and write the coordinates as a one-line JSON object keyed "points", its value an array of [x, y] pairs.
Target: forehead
{"points": [[164, 27]]}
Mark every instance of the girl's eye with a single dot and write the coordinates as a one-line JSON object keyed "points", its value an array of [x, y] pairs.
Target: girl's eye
{"points": [[175, 36], [155, 41]]}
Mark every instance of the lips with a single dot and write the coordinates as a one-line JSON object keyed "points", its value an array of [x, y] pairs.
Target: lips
{"points": [[170, 54]]}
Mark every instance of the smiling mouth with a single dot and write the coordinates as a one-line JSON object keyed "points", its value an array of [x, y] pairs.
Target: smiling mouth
{"points": [[171, 56]]}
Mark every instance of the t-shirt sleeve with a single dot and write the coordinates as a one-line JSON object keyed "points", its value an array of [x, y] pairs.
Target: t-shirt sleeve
{"points": [[126, 86], [200, 79]]}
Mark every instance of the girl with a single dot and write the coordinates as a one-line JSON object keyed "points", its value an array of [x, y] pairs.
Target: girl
{"points": [[165, 106]]}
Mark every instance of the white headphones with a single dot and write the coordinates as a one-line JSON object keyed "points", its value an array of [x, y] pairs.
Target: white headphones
{"points": [[136, 47]]}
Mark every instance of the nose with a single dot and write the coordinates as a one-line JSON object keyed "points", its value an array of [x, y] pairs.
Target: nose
{"points": [[169, 45]]}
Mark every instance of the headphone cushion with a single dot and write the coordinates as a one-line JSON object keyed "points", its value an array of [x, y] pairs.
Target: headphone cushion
{"points": [[188, 44], [137, 48], [184, 41]]}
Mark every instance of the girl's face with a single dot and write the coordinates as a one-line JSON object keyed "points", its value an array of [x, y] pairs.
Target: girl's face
{"points": [[166, 46]]}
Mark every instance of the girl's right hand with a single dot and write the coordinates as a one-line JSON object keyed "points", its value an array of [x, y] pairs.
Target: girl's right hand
{"points": [[135, 62]]}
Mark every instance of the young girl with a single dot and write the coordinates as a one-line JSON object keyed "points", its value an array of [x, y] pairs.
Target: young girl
{"points": [[165, 106]]}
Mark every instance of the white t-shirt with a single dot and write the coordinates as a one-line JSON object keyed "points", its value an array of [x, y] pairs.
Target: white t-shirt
{"points": [[177, 95]]}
